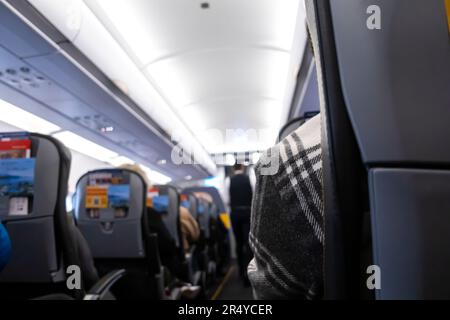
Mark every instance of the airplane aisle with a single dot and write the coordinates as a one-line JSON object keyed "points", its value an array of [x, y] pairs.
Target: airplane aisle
{"points": [[232, 288]]}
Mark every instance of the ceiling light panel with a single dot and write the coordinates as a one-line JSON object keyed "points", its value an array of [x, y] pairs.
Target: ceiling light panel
{"points": [[177, 26], [24, 120], [84, 146], [206, 75]]}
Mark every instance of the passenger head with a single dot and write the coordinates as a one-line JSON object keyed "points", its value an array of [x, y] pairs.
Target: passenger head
{"points": [[137, 169], [238, 167], [205, 196]]}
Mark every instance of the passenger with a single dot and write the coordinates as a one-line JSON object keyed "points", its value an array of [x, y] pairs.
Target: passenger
{"points": [[189, 229], [5, 247], [241, 194], [287, 234]]}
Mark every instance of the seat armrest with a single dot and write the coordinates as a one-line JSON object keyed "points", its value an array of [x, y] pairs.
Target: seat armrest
{"points": [[101, 288]]}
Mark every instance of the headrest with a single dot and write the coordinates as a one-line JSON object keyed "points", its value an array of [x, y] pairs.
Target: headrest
{"points": [[158, 200], [109, 195]]}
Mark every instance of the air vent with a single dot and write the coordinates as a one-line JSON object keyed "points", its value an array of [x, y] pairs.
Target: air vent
{"points": [[22, 77]]}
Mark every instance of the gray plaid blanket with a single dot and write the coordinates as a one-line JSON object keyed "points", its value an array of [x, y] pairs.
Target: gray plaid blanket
{"points": [[286, 234]]}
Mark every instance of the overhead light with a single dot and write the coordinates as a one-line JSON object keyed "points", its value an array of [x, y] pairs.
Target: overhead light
{"points": [[188, 178], [120, 161], [25, 120], [216, 182], [107, 129], [84, 146], [162, 162], [155, 176]]}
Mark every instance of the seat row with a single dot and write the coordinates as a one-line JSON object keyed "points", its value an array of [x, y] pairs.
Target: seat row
{"points": [[107, 248]]}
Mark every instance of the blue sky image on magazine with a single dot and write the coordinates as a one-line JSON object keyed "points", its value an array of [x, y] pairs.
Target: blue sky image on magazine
{"points": [[17, 177], [119, 196]]}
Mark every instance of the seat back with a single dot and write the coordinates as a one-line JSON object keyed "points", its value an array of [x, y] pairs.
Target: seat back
{"points": [[171, 216], [193, 204], [204, 217], [111, 213], [34, 171], [384, 160], [110, 208]]}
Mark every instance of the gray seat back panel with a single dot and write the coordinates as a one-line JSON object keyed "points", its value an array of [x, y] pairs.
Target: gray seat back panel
{"points": [[171, 218], [111, 237], [34, 253], [411, 231]]}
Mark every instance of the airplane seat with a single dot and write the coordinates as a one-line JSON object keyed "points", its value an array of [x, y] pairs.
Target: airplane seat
{"points": [[196, 268], [213, 237], [34, 213], [193, 206], [208, 264], [203, 219], [294, 124], [110, 211], [213, 242], [172, 219], [171, 216], [218, 241], [385, 123], [290, 127]]}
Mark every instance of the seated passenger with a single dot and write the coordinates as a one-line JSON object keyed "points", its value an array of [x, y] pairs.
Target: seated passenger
{"points": [[5, 247], [189, 228], [286, 233]]}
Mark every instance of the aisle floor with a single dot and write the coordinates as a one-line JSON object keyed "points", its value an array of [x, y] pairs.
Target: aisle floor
{"points": [[232, 287]]}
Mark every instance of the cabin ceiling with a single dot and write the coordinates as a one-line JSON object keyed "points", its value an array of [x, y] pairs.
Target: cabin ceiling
{"points": [[231, 66]]}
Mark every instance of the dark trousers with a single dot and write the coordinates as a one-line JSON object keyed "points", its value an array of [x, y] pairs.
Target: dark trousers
{"points": [[240, 219]]}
